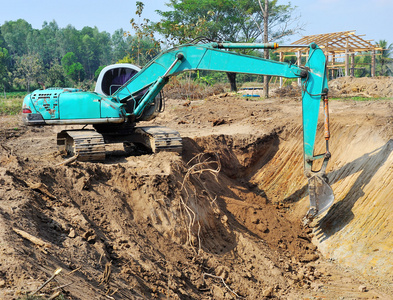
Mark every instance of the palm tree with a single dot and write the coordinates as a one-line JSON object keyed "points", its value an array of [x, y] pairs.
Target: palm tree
{"points": [[384, 60]]}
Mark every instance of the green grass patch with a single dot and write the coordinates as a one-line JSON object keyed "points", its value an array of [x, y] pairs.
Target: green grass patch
{"points": [[358, 98], [12, 95], [11, 106]]}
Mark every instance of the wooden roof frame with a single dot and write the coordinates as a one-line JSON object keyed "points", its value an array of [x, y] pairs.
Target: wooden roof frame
{"points": [[336, 42]]}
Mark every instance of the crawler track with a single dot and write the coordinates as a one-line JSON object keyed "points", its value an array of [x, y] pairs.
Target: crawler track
{"points": [[159, 138], [88, 144]]}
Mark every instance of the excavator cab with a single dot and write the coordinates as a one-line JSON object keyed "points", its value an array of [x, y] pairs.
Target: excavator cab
{"points": [[112, 77]]}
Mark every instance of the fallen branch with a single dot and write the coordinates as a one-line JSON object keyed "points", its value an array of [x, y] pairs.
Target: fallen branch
{"points": [[73, 271], [68, 161], [6, 148], [57, 271], [223, 281], [32, 238], [107, 274], [41, 187], [54, 295]]}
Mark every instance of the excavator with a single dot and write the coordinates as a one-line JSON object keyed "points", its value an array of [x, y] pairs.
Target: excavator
{"points": [[125, 96]]}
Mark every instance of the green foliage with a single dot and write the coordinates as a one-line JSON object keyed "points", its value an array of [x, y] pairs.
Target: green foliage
{"points": [[28, 70], [56, 76], [121, 44], [72, 67], [210, 78], [143, 43], [223, 20], [189, 19], [15, 34], [126, 60], [29, 56], [97, 72], [90, 47], [143, 50], [4, 73], [383, 60]]}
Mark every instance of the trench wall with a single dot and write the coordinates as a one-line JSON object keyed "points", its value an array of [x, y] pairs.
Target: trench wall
{"points": [[357, 230]]}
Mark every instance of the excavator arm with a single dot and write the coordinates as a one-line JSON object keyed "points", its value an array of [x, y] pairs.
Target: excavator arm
{"points": [[200, 57], [215, 57]]}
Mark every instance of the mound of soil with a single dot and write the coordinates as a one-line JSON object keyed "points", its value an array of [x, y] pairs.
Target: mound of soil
{"points": [[220, 221], [161, 225], [371, 87]]}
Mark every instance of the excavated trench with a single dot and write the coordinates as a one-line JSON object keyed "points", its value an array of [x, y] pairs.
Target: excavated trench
{"points": [[169, 226], [357, 230]]}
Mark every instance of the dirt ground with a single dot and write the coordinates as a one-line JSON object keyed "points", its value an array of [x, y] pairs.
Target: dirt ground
{"points": [[220, 221]]}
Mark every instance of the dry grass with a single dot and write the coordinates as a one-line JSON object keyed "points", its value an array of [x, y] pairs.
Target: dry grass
{"points": [[191, 90], [10, 106]]}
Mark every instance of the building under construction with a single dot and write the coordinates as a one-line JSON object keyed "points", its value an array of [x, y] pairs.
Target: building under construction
{"points": [[340, 48]]}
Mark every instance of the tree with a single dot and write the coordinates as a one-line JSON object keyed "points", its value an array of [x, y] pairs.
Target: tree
{"points": [[97, 72], [212, 19], [384, 61], [222, 20], [126, 60], [265, 14], [70, 41], [72, 67], [143, 43], [28, 70], [45, 42], [55, 76], [15, 35], [4, 73], [120, 45], [95, 49]]}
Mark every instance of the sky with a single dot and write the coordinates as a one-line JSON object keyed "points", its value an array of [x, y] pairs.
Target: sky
{"points": [[371, 18]]}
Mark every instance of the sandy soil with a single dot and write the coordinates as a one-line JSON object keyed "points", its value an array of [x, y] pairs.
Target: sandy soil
{"points": [[220, 221]]}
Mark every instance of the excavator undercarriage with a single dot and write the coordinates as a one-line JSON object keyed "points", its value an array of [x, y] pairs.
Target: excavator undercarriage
{"points": [[89, 145]]}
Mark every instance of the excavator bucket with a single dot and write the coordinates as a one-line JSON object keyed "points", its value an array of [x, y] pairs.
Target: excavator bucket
{"points": [[321, 196]]}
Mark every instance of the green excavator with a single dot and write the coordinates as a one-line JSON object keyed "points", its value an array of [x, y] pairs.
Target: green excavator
{"points": [[126, 96]]}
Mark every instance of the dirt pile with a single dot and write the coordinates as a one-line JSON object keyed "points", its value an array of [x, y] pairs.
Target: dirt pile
{"points": [[221, 221], [162, 227], [370, 87]]}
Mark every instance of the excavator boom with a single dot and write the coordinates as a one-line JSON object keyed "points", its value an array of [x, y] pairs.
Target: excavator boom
{"points": [[208, 57]]}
